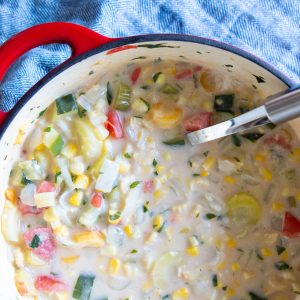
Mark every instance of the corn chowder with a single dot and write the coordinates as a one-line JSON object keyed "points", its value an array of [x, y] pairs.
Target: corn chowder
{"points": [[109, 201]]}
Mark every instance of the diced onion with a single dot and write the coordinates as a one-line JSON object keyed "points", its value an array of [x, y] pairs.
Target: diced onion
{"points": [[44, 199], [27, 194], [63, 165], [107, 177]]}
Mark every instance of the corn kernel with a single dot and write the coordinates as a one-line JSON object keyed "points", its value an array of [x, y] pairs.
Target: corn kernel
{"points": [[248, 275], [60, 230], [230, 179], [192, 250], [40, 147], [180, 294], [231, 243], [235, 267], [150, 139], [207, 105], [218, 244], [220, 266], [277, 207], [209, 163], [167, 156], [70, 259], [59, 296], [20, 137], [260, 157], [296, 154], [171, 70], [157, 222], [50, 216], [266, 252], [32, 260], [76, 198], [128, 230], [204, 173], [89, 238], [147, 285], [185, 230], [152, 237], [230, 292], [82, 182], [70, 150], [114, 266], [266, 174], [11, 195], [285, 192], [160, 168], [298, 196], [157, 194]]}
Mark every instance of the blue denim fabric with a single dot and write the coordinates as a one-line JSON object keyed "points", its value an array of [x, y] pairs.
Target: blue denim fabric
{"points": [[269, 29]]}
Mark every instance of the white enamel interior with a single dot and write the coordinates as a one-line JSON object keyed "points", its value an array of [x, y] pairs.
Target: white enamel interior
{"points": [[77, 76]]}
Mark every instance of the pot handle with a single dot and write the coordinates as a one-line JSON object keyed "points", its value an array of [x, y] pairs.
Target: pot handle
{"points": [[79, 38]]}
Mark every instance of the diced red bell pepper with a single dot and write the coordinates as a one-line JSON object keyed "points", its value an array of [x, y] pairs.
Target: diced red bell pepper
{"points": [[135, 75], [46, 187], [198, 121], [46, 246], [279, 140], [198, 68], [184, 74], [114, 124], [97, 200], [49, 284], [290, 226], [148, 186], [29, 210], [121, 48]]}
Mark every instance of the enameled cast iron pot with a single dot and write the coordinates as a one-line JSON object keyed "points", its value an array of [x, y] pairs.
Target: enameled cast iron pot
{"points": [[94, 52]]}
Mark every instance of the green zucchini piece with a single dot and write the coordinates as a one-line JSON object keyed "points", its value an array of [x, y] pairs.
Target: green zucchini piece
{"points": [[224, 103], [31, 171], [123, 97], [140, 106], [66, 104], [18, 177], [221, 116], [252, 136], [53, 141], [109, 94], [83, 287], [236, 140], [159, 78], [169, 89], [178, 141], [254, 296]]}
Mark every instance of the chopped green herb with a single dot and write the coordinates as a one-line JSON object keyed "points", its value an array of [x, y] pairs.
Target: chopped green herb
{"points": [[145, 87], [134, 184], [196, 174], [271, 125], [252, 136], [292, 201], [205, 153], [81, 111], [254, 86], [229, 66], [127, 155], [254, 296], [109, 96], [133, 251], [259, 79], [91, 72], [41, 113], [56, 176], [240, 250], [281, 265], [146, 207], [140, 57], [236, 159], [160, 229], [214, 280], [155, 173], [157, 60], [280, 249], [36, 241], [224, 288], [190, 163], [154, 162], [210, 216], [160, 45], [47, 129], [236, 140], [166, 297], [115, 216], [175, 142], [258, 255]]}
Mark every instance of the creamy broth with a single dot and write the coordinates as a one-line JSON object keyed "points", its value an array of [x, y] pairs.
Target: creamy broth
{"points": [[109, 201]]}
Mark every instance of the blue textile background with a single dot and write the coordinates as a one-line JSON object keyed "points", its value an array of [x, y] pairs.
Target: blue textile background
{"points": [[268, 28]]}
